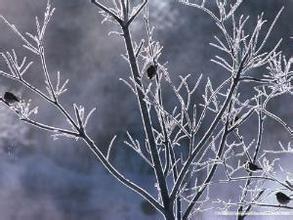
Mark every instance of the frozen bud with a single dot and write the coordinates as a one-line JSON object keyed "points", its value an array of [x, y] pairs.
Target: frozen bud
{"points": [[151, 71], [10, 98]]}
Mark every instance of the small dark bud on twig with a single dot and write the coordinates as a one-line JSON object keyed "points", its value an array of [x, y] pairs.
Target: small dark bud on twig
{"points": [[252, 167], [283, 198], [10, 98], [151, 71]]}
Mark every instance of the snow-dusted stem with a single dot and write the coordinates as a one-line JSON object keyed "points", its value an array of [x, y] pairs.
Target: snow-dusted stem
{"points": [[170, 158], [45, 69], [168, 205], [210, 174], [209, 132], [96, 151], [241, 216]]}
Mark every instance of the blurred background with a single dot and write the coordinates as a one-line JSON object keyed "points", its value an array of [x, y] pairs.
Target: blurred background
{"points": [[42, 178]]}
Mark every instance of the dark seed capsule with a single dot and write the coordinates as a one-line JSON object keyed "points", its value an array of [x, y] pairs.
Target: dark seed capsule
{"points": [[10, 98], [252, 167], [151, 71], [282, 198]]}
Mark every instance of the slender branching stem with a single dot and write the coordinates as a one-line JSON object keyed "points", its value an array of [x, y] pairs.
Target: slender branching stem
{"points": [[208, 132], [248, 181], [147, 126], [47, 75], [104, 8], [213, 169], [97, 152], [137, 12]]}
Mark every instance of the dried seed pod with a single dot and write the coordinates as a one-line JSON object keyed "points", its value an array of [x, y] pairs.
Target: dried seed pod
{"points": [[252, 167], [151, 71], [282, 198], [10, 98]]}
